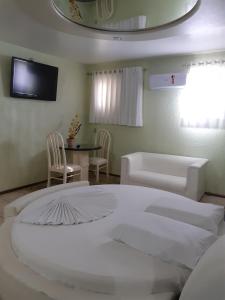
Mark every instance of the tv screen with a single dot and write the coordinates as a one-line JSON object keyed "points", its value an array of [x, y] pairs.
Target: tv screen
{"points": [[33, 80]]}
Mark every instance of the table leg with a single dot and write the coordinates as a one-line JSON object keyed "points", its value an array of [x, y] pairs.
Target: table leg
{"points": [[81, 158]]}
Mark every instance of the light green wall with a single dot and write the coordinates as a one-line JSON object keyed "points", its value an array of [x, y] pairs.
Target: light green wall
{"points": [[24, 124], [161, 131]]}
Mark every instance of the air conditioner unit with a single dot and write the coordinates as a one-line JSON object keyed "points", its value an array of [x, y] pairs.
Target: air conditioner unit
{"points": [[170, 80]]}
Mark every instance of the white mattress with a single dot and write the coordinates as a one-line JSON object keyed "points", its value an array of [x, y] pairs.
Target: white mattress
{"points": [[84, 256]]}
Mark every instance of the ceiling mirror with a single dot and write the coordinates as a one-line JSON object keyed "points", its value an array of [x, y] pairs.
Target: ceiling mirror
{"points": [[125, 15]]}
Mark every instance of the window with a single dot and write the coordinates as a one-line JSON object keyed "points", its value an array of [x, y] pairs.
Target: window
{"points": [[202, 102], [117, 97]]}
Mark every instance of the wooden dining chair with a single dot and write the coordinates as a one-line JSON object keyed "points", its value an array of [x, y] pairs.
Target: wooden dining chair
{"points": [[100, 159], [57, 163]]}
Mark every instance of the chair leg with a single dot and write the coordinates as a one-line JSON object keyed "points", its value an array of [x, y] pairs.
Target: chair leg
{"points": [[97, 173], [64, 177], [49, 180], [107, 170]]}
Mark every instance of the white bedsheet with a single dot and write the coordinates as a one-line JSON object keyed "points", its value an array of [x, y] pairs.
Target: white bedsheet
{"points": [[84, 256], [24, 281]]}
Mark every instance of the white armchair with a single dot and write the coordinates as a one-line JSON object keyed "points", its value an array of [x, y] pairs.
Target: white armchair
{"points": [[177, 174]]}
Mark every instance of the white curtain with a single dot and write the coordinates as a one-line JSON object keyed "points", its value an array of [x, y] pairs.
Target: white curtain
{"points": [[105, 97], [202, 102], [116, 97], [132, 97]]}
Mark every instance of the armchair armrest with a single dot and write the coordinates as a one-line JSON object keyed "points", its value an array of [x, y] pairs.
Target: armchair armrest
{"points": [[196, 180], [199, 164], [128, 163], [15, 207]]}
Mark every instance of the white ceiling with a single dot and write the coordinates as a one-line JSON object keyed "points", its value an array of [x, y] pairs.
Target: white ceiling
{"points": [[33, 24]]}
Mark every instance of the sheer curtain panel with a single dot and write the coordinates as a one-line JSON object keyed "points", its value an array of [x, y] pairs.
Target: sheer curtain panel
{"points": [[105, 97], [117, 96]]}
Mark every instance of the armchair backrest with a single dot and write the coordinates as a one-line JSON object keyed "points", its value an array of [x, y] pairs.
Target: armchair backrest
{"points": [[167, 164]]}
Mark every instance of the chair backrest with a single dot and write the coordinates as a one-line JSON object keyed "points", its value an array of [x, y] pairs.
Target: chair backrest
{"points": [[104, 9], [103, 139], [55, 150]]}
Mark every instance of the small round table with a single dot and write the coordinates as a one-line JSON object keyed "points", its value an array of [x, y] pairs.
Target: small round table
{"points": [[79, 154]]}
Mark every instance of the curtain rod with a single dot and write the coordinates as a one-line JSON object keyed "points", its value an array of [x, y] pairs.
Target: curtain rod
{"points": [[207, 62], [109, 71], [104, 72]]}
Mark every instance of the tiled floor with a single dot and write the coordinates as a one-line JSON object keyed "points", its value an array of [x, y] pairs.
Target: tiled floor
{"points": [[8, 197]]}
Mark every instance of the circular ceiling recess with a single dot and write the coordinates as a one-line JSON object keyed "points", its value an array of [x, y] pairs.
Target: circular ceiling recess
{"points": [[125, 15]]}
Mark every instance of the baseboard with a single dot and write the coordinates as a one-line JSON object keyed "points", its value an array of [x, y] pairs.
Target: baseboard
{"points": [[111, 174], [22, 187], [104, 173], [114, 175], [215, 195]]}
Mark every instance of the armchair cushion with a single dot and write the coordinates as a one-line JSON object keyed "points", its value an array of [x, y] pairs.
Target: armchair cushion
{"points": [[158, 180]]}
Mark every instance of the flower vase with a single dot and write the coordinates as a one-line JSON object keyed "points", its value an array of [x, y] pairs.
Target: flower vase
{"points": [[71, 142]]}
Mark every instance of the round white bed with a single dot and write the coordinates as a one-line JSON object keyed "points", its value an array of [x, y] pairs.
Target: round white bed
{"points": [[81, 261]]}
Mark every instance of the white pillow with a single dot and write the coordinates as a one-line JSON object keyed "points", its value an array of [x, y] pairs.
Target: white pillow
{"points": [[207, 281], [170, 240], [206, 216]]}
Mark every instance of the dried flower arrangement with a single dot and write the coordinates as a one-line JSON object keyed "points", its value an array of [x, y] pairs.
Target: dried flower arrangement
{"points": [[74, 128], [74, 10]]}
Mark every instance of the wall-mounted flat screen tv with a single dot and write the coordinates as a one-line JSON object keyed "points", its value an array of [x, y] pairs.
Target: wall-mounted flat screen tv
{"points": [[32, 80]]}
